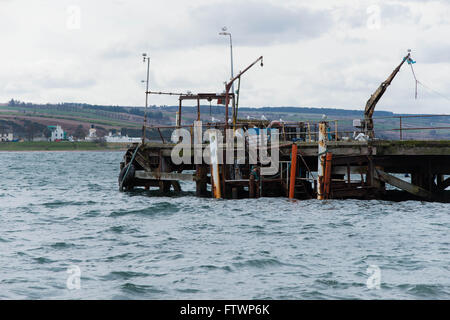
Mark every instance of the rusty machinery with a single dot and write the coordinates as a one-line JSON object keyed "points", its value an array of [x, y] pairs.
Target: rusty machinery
{"points": [[366, 125]]}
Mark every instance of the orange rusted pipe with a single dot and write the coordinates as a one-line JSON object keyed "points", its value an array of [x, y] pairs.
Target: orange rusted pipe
{"points": [[327, 177], [293, 171]]}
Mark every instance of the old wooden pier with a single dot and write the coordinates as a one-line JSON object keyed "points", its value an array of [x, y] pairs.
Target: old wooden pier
{"points": [[313, 159], [351, 169]]}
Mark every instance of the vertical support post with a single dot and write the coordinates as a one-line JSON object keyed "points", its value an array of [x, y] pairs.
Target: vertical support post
{"points": [[227, 101], [251, 186], [439, 180], [321, 159], [315, 131], [336, 130], [178, 119], [233, 111], [198, 109], [164, 186], [234, 192], [309, 132], [176, 186], [293, 171], [348, 175], [214, 146], [144, 128], [200, 183], [237, 104], [327, 177], [401, 133]]}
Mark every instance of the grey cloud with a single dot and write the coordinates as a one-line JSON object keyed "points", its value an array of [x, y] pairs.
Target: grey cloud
{"points": [[262, 23], [397, 13], [251, 23], [389, 13], [117, 52], [69, 82], [436, 54]]}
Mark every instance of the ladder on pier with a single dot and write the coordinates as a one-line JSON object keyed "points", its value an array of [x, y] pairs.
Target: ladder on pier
{"points": [[300, 190]]}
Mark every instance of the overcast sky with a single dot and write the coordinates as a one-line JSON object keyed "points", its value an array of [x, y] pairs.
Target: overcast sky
{"points": [[316, 53]]}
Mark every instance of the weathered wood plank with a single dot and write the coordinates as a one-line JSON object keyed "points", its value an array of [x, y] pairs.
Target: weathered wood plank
{"points": [[145, 175], [403, 185]]}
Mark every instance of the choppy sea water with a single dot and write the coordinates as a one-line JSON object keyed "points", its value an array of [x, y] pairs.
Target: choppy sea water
{"points": [[63, 209]]}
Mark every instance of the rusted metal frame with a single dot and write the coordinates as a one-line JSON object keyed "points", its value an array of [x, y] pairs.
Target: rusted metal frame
{"points": [[376, 96], [414, 116], [327, 176], [229, 85], [166, 93], [142, 161], [160, 134], [237, 103], [427, 128], [185, 126], [227, 101], [203, 96], [304, 162]]}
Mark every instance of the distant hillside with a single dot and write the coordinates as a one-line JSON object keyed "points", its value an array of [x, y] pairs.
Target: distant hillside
{"points": [[28, 120]]}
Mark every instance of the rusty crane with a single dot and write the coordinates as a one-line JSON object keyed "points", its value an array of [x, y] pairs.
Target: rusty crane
{"points": [[367, 123]]}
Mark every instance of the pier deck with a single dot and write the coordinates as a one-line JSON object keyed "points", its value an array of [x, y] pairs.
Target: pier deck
{"points": [[356, 169]]}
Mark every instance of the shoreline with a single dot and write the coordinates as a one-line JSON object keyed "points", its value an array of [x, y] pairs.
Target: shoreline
{"points": [[79, 150], [66, 146]]}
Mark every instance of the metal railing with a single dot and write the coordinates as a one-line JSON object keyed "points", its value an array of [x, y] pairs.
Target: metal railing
{"points": [[389, 128]]}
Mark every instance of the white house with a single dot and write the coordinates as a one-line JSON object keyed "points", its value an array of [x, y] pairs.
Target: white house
{"points": [[5, 137], [92, 134], [57, 133], [118, 138]]}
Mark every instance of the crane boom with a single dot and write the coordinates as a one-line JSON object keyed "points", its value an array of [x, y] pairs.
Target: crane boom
{"points": [[376, 96]]}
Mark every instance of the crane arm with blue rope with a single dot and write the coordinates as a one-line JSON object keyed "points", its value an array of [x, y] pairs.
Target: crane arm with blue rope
{"points": [[376, 96]]}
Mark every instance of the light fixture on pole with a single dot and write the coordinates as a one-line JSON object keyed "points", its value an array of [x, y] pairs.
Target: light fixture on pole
{"points": [[145, 58], [225, 33]]}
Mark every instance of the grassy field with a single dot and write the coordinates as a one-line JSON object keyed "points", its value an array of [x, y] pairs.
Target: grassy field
{"points": [[86, 119], [61, 146]]}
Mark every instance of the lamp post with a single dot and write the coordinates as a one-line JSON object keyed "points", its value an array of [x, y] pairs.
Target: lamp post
{"points": [[145, 58], [225, 33]]}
